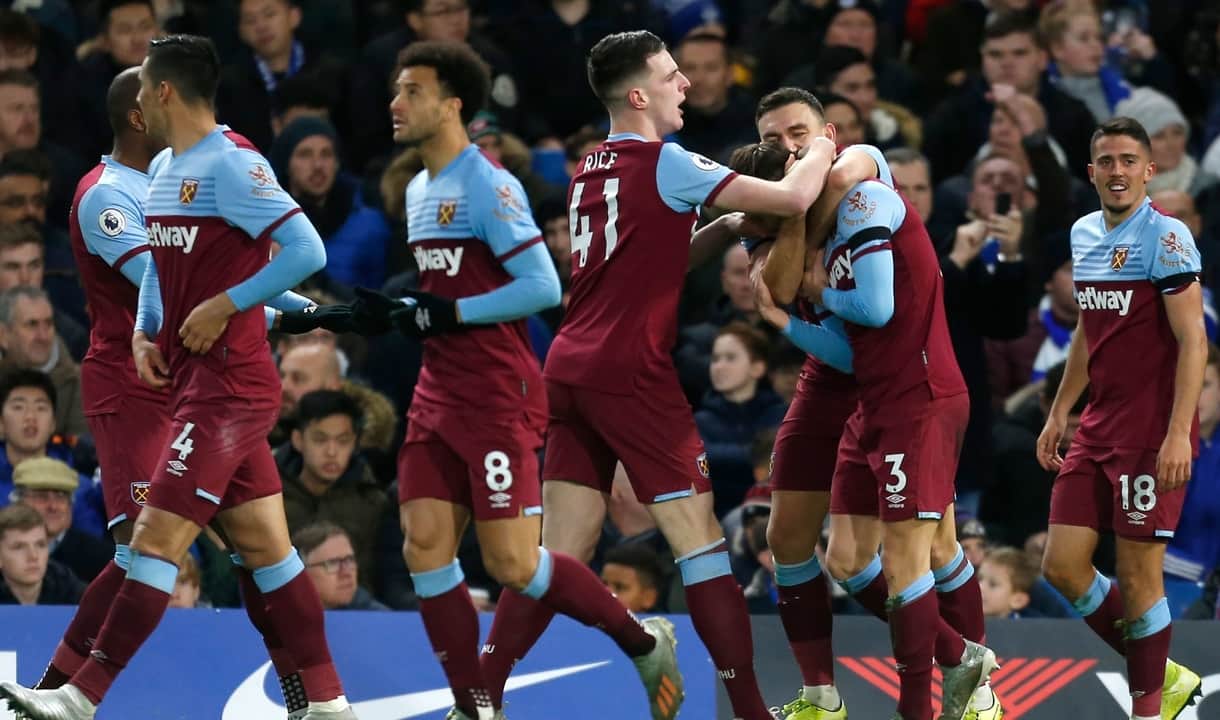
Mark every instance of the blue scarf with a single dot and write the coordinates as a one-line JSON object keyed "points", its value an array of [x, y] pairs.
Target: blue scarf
{"points": [[295, 63]]}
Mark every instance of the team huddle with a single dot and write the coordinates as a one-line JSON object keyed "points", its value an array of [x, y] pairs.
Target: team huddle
{"points": [[172, 234]]}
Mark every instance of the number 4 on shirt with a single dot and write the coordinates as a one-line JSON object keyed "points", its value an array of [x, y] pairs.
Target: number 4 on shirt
{"points": [[582, 234]]}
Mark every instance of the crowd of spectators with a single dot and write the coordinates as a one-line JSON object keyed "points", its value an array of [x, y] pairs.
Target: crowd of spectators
{"points": [[983, 107]]}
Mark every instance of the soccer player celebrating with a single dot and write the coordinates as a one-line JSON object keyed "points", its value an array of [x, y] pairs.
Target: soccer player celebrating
{"points": [[1140, 348], [213, 208], [612, 388], [478, 413]]}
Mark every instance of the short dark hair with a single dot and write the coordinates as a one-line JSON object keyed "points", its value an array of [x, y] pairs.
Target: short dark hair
{"points": [[16, 76], [14, 235], [641, 558], [321, 404], [302, 90], [1010, 23], [750, 337], [121, 99], [905, 156], [1121, 125], [788, 96], [308, 538], [829, 98], [1023, 568], [189, 63], [573, 143], [19, 516], [618, 57], [765, 160], [18, 28], [459, 70], [26, 378], [706, 37], [27, 162], [109, 6], [834, 60]]}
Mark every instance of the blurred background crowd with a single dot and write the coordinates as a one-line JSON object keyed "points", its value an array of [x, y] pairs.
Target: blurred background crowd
{"points": [[983, 107]]}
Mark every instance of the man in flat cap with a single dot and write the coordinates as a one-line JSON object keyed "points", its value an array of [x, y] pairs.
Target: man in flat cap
{"points": [[48, 486]]}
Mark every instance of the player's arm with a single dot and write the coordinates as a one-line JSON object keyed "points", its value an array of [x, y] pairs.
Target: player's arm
{"points": [[827, 342], [854, 165], [786, 261], [874, 212], [1075, 380], [112, 225], [534, 287], [790, 196], [1175, 272], [150, 365], [714, 238]]}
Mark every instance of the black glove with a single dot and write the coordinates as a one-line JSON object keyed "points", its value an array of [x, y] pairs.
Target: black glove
{"points": [[336, 318], [371, 312], [430, 316]]}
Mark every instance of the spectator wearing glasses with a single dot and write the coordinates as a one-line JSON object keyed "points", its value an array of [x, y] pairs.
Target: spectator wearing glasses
{"points": [[330, 560]]}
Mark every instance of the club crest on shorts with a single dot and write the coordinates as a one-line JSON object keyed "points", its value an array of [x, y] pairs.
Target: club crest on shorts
{"points": [[139, 492], [701, 463], [1119, 258], [445, 212], [187, 190]]}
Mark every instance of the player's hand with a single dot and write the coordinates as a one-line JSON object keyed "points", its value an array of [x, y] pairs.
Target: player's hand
{"points": [[745, 225], [764, 301], [206, 323], [1048, 442], [816, 278], [429, 316], [1173, 462], [335, 318], [150, 364], [371, 312]]}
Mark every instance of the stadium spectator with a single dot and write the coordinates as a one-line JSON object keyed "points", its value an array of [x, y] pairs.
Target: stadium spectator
{"points": [[21, 129], [30, 576], [948, 54], [510, 151], [1169, 131], [23, 264], [1186, 208], [310, 366], [50, 58], [325, 478], [29, 342], [27, 422], [972, 536], [1080, 67], [912, 178], [735, 410], [299, 96], [24, 178], [1006, 577], [247, 94], [331, 563], [750, 555], [634, 575], [1012, 56], [719, 115], [1194, 550], [579, 144], [845, 116], [855, 26], [127, 27], [305, 157], [187, 591], [846, 71], [784, 365], [48, 485], [1011, 364]]}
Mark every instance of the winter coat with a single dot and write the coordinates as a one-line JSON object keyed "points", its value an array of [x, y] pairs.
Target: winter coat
{"points": [[728, 430]]}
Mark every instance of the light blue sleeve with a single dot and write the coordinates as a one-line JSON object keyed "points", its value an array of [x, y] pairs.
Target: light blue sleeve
{"points": [[112, 224], [301, 255], [148, 305], [687, 180], [821, 341], [1172, 255], [500, 212], [247, 193], [883, 167], [289, 301], [868, 218], [534, 287]]}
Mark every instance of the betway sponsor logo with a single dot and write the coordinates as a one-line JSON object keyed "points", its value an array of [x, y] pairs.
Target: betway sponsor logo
{"points": [[447, 260], [1091, 298], [173, 236]]}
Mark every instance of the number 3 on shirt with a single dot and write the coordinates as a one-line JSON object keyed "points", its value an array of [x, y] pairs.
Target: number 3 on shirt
{"points": [[582, 234]]}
